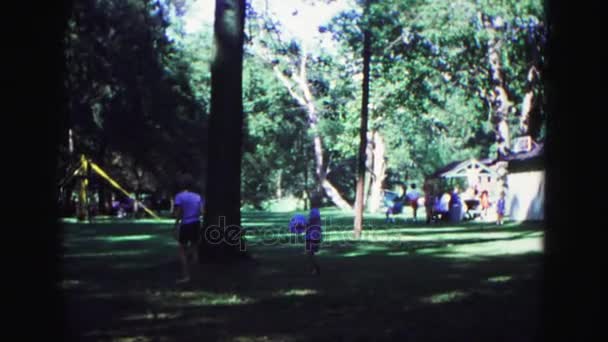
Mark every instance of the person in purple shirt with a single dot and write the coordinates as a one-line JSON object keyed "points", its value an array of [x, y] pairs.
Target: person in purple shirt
{"points": [[500, 209], [188, 209], [314, 234]]}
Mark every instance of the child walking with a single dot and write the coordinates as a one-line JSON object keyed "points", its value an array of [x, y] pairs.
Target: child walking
{"points": [[314, 235]]}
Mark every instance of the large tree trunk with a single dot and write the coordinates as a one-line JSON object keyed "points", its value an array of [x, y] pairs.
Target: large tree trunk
{"points": [[222, 233], [305, 191], [369, 155], [378, 171], [498, 96], [359, 205], [528, 102], [83, 196], [102, 191], [279, 193], [305, 99]]}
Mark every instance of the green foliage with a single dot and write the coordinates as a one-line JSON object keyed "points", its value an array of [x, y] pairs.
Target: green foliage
{"points": [[140, 89], [131, 103], [276, 143]]}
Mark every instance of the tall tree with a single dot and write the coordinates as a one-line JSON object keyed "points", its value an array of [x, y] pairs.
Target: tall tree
{"points": [[130, 103], [222, 222], [361, 164], [290, 63]]}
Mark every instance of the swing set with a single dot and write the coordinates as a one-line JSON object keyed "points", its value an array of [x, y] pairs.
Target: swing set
{"points": [[82, 169]]}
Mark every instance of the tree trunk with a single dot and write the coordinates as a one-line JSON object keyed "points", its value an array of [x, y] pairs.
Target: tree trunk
{"points": [[527, 104], [498, 95], [82, 212], [102, 188], [378, 171], [362, 136], [305, 193], [279, 180], [368, 176], [222, 234]]}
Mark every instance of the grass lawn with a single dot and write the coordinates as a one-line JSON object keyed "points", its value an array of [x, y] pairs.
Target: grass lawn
{"points": [[404, 281]]}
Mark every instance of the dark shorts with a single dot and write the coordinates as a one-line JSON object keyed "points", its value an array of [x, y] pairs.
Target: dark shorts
{"points": [[312, 246], [189, 233]]}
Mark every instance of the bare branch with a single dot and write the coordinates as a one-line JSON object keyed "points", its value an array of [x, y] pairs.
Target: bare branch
{"points": [[289, 87]]}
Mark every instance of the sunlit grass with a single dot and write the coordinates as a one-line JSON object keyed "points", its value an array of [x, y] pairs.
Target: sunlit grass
{"points": [[264, 230], [298, 292], [107, 254], [499, 279], [493, 248], [402, 253], [221, 299], [445, 297], [111, 220], [200, 298], [364, 250], [126, 238], [150, 315]]}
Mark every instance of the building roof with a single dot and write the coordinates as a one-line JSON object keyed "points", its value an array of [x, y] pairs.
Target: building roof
{"points": [[527, 161], [463, 168], [518, 162]]}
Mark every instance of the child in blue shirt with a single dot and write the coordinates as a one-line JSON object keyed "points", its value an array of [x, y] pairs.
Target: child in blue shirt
{"points": [[500, 209], [314, 234]]}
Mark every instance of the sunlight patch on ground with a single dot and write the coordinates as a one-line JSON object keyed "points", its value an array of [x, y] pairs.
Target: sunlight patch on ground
{"points": [[364, 250], [398, 253], [499, 279], [298, 292], [150, 315], [445, 297], [108, 254], [436, 230], [125, 238], [104, 220], [254, 338], [494, 248], [439, 236], [271, 236], [201, 298], [222, 299]]}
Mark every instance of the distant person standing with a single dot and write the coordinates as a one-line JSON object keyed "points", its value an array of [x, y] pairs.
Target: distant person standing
{"points": [[500, 209], [187, 210], [429, 201], [394, 209], [485, 203], [412, 197], [442, 206], [455, 205]]}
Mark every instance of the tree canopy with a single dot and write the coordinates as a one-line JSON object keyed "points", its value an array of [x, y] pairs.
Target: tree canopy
{"points": [[448, 80]]}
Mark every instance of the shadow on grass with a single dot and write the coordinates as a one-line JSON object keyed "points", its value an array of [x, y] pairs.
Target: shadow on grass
{"points": [[119, 287]]}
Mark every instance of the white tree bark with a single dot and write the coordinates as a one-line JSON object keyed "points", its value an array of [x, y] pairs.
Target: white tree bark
{"points": [[378, 171], [299, 89], [498, 97], [526, 105]]}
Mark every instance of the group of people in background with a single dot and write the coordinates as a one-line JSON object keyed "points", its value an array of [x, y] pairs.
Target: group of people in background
{"points": [[446, 205], [409, 198]]}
